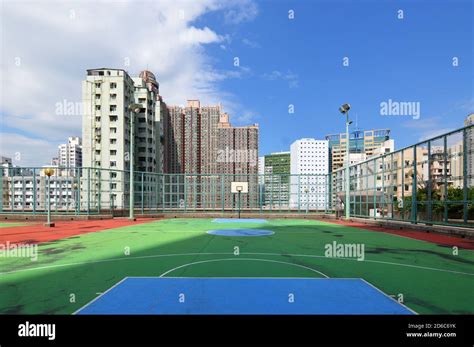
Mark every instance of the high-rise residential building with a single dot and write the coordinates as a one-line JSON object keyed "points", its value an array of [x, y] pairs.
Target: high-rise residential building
{"points": [[107, 94], [277, 179], [190, 135], [201, 142], [237, 158], [70, 153], [310, 162], [360, 141]]}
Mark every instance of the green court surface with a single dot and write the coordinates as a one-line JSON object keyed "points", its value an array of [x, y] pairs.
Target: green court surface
{"points": [[71, 272]]}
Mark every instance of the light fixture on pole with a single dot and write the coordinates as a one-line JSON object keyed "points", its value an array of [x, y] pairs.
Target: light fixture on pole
{"points": [[49, 172], [134, 109], [344, 109]]}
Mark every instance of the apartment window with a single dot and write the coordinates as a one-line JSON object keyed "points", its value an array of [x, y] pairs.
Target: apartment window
{"points": [[113, 186], [113, 163], [97, 85], [113, 108], [113, 85], [113, 130], [113, 175], [113, 118], [97, 107], [113, 152], [113, 141], [97, 119], [113, 96], [97, 151], [97, 96]]}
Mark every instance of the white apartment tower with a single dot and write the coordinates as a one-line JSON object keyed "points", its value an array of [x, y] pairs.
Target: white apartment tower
{"points": [[70, 153], [309, 166], [107, 93]]}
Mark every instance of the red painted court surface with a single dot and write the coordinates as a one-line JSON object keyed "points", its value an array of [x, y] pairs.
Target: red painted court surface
{"points": [[36, 233], [439, 239]]}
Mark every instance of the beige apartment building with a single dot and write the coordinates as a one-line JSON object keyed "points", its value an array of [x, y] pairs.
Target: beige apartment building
{"points": [[107, 94]]}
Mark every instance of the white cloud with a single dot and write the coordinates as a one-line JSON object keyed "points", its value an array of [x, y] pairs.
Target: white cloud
{"points": [[241, 11], [246, 117], [289, 76], [26, 151], [250, 43], [47, 47], [433, 133]]}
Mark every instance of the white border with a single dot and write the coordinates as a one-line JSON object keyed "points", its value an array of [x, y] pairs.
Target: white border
{"points": [[260, 278], [388, 296], [95, 299]]}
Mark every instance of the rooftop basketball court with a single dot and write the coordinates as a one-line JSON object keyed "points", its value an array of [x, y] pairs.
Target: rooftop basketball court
{"points": [[283, 268]]}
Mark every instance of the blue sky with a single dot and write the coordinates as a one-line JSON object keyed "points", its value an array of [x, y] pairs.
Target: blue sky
{"points": [[389, 58], [191, 46]]}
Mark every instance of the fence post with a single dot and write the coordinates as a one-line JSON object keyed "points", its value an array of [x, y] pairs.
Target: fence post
{"points": [[325, 194], [429, 203], [88, 190], [222, 192], [163, 201], [99, 194], [142, 192], [414, 205], [375, 188], [445, 178], [383, 187], [465, 173], [34, 191], [185, 193]]}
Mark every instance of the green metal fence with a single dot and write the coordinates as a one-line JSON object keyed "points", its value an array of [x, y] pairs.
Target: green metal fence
{"points": [[429, 182], [94, 191]]}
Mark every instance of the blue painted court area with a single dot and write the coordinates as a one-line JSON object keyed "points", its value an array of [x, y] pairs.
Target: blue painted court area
{"points": [[241, 232], [154, 295], [236, 220]]}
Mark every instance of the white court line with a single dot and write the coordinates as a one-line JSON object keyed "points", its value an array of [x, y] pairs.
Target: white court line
{"points": [[242, 259], [109, 260], [96, 298], [251, 253], [388, 296], [365, 260]]}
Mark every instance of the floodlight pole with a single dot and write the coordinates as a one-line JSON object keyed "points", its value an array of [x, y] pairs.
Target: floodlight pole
{"points": [[347, 167], [134, 110], [49, 200], [130, 157]]}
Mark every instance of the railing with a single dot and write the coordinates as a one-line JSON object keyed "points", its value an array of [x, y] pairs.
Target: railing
{"points": [[430, 182], [97, 190]]}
